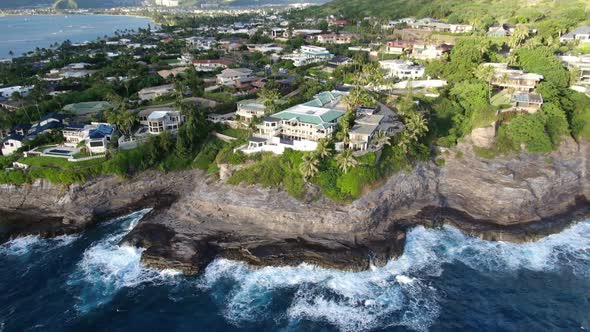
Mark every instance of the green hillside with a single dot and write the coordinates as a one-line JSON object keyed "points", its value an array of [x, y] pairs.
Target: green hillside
{"points": [[455, 10]]}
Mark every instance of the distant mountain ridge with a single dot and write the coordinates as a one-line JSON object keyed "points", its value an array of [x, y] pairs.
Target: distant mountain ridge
{"points": [[470, 10], [115, 3], [65, 3]]}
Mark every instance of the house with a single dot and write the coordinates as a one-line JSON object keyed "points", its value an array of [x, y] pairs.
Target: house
{"points": [[337, 61], [402, 69], [250, 108], [7, 92], [505, 77], [397, 47], [299, 127], [211, 65], [429, 51], [308, 54], [580, 33], [172, 72], [334, 38], [74, 134], [86, 110], [580, 63], [363, 131], [501, 30], [277, 32], [167, 3], [164, 121], [430, 24], [201, 43], [526, 102], [265, 48], [47, 123], [337, 22], [12, 143], [229, 76], [95, 136], [99, 137], [155, 92]]}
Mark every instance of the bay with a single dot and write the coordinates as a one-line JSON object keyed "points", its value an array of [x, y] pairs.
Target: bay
{"points": [[21, 34]]}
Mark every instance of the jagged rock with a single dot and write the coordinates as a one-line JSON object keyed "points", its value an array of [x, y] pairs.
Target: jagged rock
{"points": [[196, 219]]}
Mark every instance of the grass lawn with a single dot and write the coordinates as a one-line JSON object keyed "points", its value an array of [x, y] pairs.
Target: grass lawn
{"points": [[584, 48], [171, 61], [237, 133], [62, 163], [585, 117], [501, 99]]}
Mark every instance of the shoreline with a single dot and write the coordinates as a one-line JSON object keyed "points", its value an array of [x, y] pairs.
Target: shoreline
{"points": [[196, 218], [18, 54]]}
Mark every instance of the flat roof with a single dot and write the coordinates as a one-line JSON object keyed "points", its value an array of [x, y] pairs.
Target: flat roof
{"points": [[363, 129]]}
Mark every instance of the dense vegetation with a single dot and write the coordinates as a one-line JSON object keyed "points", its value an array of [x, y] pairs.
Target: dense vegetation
{"points": [[484, 12]]}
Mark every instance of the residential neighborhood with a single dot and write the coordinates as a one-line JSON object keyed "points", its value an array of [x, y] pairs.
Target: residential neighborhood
{"points": [[268, 82]]}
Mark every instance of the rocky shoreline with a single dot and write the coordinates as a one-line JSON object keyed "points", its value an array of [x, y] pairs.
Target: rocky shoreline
{"points": [[196, 218]]}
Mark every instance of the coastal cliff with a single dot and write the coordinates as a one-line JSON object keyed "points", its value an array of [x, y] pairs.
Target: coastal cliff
{"points": [[196, 218]]}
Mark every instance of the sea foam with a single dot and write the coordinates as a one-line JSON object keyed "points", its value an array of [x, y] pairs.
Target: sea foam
{"points": [[401, 293], [28, 244], [106, 267]]}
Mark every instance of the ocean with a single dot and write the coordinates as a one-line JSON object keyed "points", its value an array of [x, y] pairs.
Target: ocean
{"points": [[444, 281], [21, 34]]}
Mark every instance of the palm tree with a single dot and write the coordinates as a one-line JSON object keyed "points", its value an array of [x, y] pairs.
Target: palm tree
{"points": [[416, 125], [323, 149], [519, 36], [381, 139], [346, 161], [309, 166], [270, 98], [486, 74]]}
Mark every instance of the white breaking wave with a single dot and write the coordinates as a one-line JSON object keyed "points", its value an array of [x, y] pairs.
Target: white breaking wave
{"points": [[402, 293], [24, 245], [106, 267]]}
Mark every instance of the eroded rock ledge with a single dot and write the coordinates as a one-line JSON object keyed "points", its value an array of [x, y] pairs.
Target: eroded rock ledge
{"points": [[196, 218]]}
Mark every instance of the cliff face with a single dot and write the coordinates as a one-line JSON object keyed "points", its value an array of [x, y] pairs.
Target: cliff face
{"points": [[197, 218]]}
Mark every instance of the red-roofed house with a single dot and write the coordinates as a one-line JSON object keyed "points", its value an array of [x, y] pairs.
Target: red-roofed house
{"points": [[398, 47]]}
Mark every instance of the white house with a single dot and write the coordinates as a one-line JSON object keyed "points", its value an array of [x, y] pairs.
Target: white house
{"points": [[155, 92], [429, 51], [22, 90], [162, 121], [11, 144], [211, 65], [201, 43], [265, 48], [250, 108], [95, 136], [402, 69], [299, 127], [229, 76], [309, 54], [581, 33]]}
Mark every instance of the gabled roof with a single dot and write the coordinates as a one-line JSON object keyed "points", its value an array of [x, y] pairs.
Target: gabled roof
{"points": [[15, 137], [53, 115]]}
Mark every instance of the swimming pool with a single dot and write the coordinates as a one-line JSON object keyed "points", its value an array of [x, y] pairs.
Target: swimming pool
{"points": [[59, 152]]}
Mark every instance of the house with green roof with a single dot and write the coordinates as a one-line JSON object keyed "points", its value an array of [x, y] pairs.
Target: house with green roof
{"points": [[301, 126]]}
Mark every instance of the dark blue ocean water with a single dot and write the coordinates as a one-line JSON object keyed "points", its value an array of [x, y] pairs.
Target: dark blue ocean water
{"points": [[444, 281], [21, 34]]}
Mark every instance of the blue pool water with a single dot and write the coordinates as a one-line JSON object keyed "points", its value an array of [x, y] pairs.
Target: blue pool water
{"points": [[21, 34], [445, 281], [57, 151]]}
